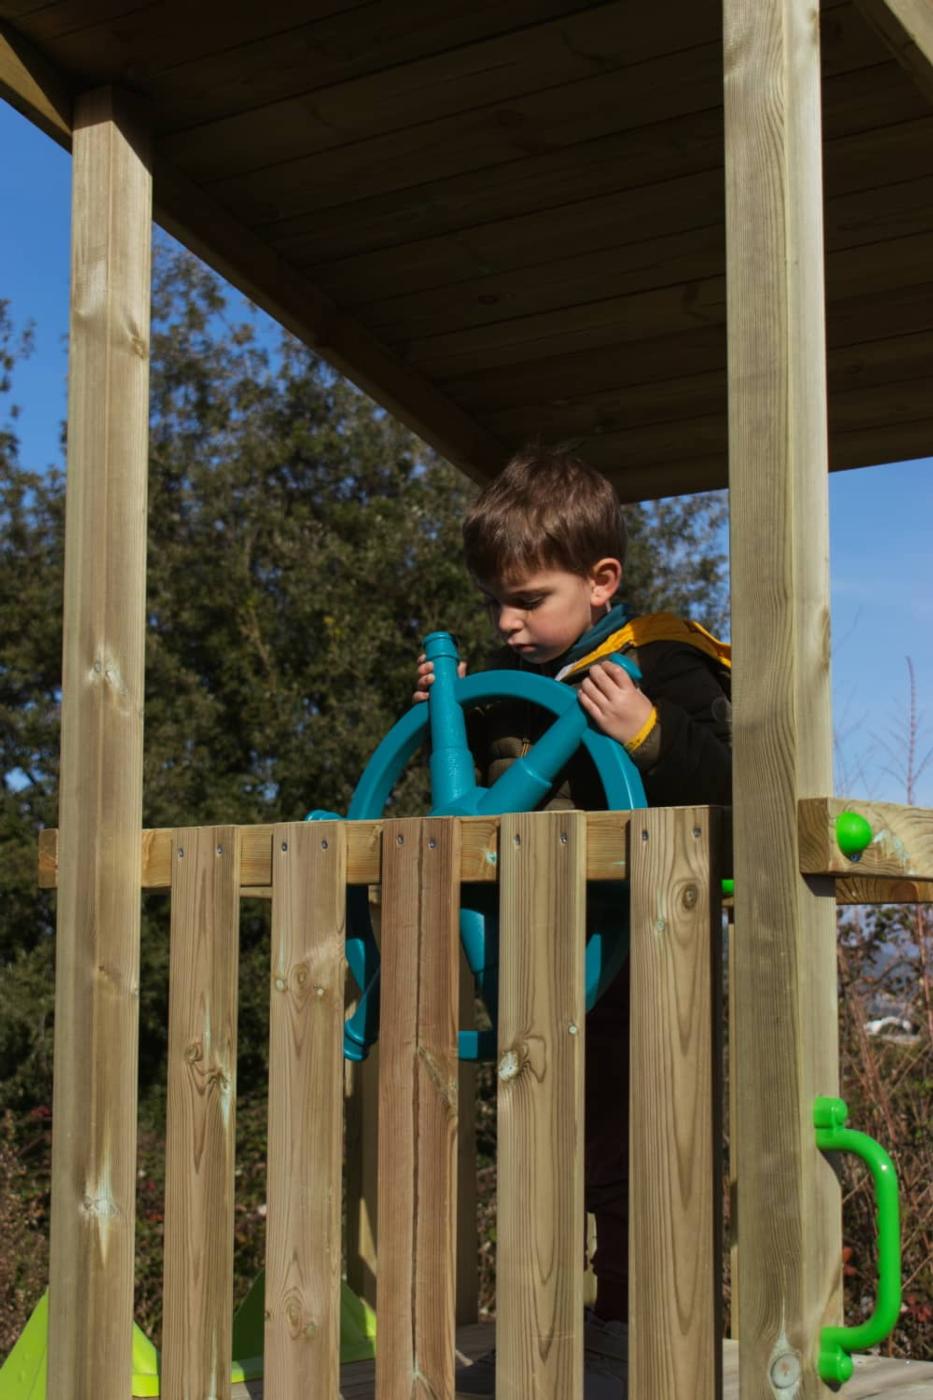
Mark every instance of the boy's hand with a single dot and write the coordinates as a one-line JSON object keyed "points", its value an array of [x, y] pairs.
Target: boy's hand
{"points": [[426, 678], [613, 701]]}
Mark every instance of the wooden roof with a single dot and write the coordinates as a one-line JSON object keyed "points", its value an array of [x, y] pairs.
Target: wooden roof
{"points": [[504, 218]]}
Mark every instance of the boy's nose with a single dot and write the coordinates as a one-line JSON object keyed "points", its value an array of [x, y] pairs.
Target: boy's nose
{"points": [[509, 621]]}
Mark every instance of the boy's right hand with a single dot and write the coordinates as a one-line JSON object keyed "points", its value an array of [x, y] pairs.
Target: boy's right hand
{"points": [[426, 678]]}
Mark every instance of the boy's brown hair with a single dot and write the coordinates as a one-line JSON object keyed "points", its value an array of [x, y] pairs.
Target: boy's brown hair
{"points": [[545, 510]]}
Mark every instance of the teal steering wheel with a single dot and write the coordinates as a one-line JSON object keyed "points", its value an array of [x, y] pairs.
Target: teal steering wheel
{"points": [[455, 792]]}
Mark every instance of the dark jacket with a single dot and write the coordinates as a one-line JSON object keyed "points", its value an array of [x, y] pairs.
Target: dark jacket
{"points": [[686, 758]]}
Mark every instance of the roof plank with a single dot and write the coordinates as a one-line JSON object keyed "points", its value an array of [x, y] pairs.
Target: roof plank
{"points": [[907, 28]]}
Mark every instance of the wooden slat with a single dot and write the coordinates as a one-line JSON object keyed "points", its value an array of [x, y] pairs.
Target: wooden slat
{"points": [[209, 230], [653, 91], [201, 1119], [303, 1245], [539, 1264], [607, 852], [418, 1107], [907, 28], [100, 803], [292, 59], [362, 1175], [902, 845], [674, 1251], [786, 1037], [33, 87], [890, 891]]}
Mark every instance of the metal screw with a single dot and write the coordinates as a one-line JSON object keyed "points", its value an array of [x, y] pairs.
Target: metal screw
{"points": [[181, 852], [220, 850], [563, 838], [516, 840], [400, 840], [432, 844], [644, 836], [284, 845], [573, 1028], [324, 844], [697, 832]]}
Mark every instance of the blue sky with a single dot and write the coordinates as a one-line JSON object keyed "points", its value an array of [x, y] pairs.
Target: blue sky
{"points": [[881, 519]]}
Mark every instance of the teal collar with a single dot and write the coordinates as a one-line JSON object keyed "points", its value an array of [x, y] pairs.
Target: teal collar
{"points": [[589, 640]]}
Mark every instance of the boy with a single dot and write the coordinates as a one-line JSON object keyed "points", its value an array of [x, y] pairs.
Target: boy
{"points": [[545, 542]]}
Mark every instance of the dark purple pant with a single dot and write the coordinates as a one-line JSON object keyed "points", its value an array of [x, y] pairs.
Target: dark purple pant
{"points": [[606, 1160]]}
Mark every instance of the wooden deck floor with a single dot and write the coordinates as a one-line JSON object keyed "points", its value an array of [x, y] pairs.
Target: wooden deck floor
{"points": [[875, 1377]]}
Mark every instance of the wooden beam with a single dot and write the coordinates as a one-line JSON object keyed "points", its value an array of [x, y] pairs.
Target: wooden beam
{"points": [[901, 847], [418, 1109], [97, 982], [607, 858], [302, 1295], [200, 1131], [906, 26], [539, 1273], [199, 221], [675, 1146], [786, 1051], [31, 85], [228, 246]]}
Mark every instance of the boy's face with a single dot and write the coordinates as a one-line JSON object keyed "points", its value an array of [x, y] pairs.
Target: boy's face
{"points": [[542, 613]]}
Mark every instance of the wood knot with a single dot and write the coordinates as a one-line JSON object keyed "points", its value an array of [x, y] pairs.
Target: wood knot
{"points": [[690, 896]]}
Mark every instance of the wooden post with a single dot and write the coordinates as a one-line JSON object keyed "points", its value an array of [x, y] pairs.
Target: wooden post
{"points": [[539, 1328], [200, 1141], [418, 1108], [302, 1298], [786, 1041], [674, 1252], [100, 805]]}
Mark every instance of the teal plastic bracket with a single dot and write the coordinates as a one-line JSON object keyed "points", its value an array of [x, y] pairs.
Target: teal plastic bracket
{"points": [[837, 1343]]}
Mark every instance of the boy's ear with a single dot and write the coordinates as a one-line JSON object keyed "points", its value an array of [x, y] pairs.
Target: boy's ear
{"points": [[605, 577]]}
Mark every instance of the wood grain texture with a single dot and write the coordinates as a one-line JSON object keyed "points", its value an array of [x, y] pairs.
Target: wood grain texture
{"points": [[786, 1034], [902, 845], [540, 1215], [201, 1115], [418, 1108], [303, 1241], [875, 1377], [674, 1250], [479, 852], [100, 803]]}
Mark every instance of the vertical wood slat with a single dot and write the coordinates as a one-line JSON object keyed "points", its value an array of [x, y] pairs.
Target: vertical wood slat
{"points": [[201, 1120], [786, 1032], [302, 1290], [97, 986], [674, 1251], [542, 861], [418, 1108]]}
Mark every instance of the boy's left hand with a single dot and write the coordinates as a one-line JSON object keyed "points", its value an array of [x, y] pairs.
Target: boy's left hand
{"points": [[613, 701]]}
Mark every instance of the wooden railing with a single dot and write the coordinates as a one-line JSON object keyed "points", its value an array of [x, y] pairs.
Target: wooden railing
{"points": [[673, 860]]}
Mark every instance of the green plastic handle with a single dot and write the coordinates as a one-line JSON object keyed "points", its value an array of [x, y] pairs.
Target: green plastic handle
{"points": [[836, 1343]]}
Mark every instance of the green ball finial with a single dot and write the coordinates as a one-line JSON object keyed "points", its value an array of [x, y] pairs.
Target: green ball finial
{"points": [[853, 834], [728, 888]]}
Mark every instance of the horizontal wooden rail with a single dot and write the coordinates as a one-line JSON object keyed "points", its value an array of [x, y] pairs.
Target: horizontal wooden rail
{"points": [[607, 845], [896, 869], [902, 848]]}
